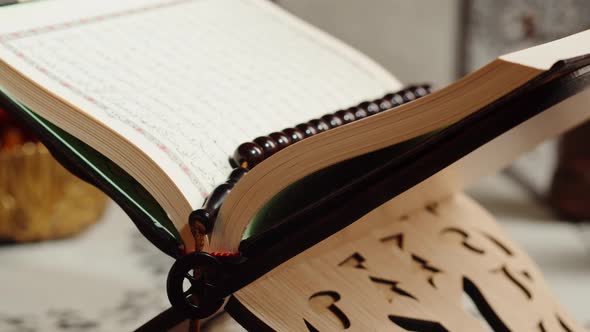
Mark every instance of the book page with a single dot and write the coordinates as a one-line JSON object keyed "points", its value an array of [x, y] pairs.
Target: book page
{"points": [[187, 81], [544, 56]]}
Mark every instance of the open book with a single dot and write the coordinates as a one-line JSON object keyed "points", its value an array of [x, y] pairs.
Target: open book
{"points": [[149, 99], [223, 73]]}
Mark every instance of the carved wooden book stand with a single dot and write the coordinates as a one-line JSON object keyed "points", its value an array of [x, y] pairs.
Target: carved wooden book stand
{"points": [[446, 267]]}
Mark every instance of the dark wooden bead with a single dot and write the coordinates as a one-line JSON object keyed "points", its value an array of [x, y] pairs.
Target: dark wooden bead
{"points": [[370, 107], [215, 199], [319, 125], [207, 214], [236, 175], [268, 145], [395, 99], [307, 129], [408, 96], [333, 120], [385, 104], [346, 116], [282, 140], [359, 112], [294, 134], [249, 153], [202, 217], [421, 91]]}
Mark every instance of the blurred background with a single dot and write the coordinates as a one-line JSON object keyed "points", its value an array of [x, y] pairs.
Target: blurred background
{"points": [[439, 41], [108, 278]]}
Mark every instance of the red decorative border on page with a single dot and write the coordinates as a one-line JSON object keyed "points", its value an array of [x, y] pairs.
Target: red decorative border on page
{"points": [[7, 38], [87, 20]]}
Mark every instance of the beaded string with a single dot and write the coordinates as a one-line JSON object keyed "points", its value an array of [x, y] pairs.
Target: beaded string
{"points": [[250, 154]]}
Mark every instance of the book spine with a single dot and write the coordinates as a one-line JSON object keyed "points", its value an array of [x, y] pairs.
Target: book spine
{"points": [[250, 154]]}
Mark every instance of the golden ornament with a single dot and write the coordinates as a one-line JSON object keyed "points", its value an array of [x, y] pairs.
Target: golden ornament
{"points": [[41, 200]]}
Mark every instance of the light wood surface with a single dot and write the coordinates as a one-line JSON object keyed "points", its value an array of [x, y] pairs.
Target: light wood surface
{"points": [[426, 271]]}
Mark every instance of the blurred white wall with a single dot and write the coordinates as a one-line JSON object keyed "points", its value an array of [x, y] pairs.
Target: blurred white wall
{"points": [[415, 40]]}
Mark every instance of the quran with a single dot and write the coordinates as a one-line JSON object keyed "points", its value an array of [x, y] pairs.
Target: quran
{"points": [[236, 136]]}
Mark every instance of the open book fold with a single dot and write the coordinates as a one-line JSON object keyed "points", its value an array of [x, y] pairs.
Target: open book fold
{"points": [[148, 99]]}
